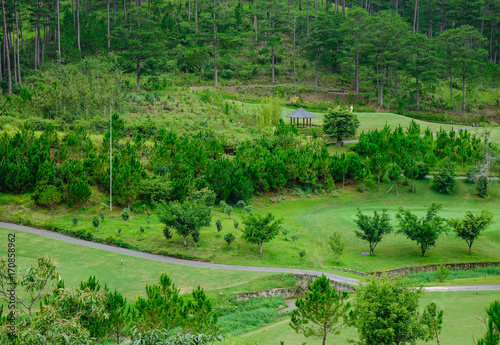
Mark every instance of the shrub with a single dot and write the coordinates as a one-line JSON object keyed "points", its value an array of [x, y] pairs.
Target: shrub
{"points": [[95, 221], [241, 204], [167, 233], [119, 231], [102, 216], [248, 208], [141, 229], [125, 214], [75, 220], [442, 272], [236, 224], [218, 223], [302, 253]]}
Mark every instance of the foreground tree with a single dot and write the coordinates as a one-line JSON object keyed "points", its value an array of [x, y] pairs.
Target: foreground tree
{"points": [[492, 336], [260, 230], [386, 312], [340, 124], [425, 231], [372, 229], [433, 319], [323, 310], [36, 282], [470, 226]]}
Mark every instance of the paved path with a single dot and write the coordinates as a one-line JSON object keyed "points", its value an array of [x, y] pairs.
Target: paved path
{"points": [[170, 260], [175, 261]]}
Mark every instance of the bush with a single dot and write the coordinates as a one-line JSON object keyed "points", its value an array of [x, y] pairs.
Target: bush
{"points": [[95, 221], [236, 224], [241, 204], [119, 231], [167, 233], [125, 214], [102, 216], [75, 220], [302, 253], [218, 223]]}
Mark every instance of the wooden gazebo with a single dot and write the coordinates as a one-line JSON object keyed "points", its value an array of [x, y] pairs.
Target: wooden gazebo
{"points": [[303, 114]]}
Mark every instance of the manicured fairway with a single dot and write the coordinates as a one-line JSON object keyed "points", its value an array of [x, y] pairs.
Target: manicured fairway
{"points": [[462, 322], [370, 121], [76, 263], [313, 219]]}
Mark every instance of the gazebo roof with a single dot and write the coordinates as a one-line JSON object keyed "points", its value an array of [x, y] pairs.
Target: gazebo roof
{"points": [[300, 113]]}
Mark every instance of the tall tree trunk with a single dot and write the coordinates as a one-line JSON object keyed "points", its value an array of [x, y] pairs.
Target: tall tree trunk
{"points": [[109, 34], [288, 15], [463, 93], [196, 16], [15, 58], [272, 63], [215, 49], [260, 249], [78, 25], [86, 12], [356, 62], [6, 43], [18, 61], [396, 81], [491, 40], [73, 9], [255, 19], [307, 15], [415, 17], [124, 10], [418, 101], [58, 33], [294, 38], [114, 12], [336, 6], [397, 3], [138, 71], [189, 11], [451, 83], [343, 8], [316, 70]]}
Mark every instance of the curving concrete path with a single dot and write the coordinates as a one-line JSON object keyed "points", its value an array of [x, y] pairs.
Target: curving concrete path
{"points": [[175, 261]]}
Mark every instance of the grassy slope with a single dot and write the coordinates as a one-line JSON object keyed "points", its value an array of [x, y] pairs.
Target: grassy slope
{"points": [[313, 219], [462, 322], [76, 263]]}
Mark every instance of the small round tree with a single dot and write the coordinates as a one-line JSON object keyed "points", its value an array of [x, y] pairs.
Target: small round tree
{"points": [[259, 230], [75, 220], [229, 238], [340, 124], [101, 214]]}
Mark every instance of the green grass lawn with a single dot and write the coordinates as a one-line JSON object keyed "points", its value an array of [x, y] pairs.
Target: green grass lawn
{"points": [[462, 323], [76, 263], [313, 219]]}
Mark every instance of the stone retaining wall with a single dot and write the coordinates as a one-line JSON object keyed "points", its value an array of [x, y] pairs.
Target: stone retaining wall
{"points": [[293, 291], [428, 268]]}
